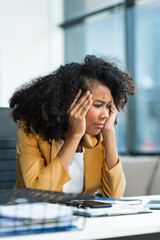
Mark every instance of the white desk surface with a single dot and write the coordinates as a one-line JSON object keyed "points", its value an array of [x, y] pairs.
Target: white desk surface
{"points": [[106, 227]]}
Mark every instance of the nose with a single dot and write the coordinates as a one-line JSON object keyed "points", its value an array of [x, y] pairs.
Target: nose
{"points": [[104, 113]]}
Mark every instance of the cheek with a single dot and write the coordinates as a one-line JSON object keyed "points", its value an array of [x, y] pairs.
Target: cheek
{"points": [[91, 115]]}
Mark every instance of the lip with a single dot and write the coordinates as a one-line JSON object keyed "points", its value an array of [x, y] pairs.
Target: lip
{"points": [[99, 125]]}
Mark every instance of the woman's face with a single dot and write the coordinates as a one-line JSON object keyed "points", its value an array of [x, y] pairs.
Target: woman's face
{"points": [[99, 111]]}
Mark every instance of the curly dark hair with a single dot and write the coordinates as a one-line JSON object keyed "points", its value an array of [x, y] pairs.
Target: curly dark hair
{"points": [[43, 103]]}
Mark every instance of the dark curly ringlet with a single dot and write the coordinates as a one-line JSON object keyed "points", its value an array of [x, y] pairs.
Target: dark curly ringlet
{"points": [[43, 103]]}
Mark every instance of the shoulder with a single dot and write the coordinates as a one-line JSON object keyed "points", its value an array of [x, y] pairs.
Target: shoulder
{"points": [[31, 138], [23, 135]]}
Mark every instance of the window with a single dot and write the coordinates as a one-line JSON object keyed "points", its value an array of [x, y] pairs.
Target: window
{"points": [[128, 31], [147, 75]]}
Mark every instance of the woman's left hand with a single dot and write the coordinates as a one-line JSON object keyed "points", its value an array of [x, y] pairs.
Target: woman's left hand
{"points": [[109, 124], [108, 133]]}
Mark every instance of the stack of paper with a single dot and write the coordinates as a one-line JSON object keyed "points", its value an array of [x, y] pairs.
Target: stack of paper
{"points": [[35, 217], [115, 210], [122, 201]]}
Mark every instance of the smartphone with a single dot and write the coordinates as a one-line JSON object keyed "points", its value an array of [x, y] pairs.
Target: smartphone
{"points": [[89, 204]]}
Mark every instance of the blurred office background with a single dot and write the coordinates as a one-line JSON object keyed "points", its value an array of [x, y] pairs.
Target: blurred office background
{"points": [[36, 36]]}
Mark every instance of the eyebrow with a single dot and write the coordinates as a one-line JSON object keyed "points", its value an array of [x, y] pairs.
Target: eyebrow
{"points": [[102, 101]]}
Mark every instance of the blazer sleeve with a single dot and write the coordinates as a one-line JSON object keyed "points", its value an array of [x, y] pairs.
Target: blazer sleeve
{"points": [[34, 168], [113, 181]]}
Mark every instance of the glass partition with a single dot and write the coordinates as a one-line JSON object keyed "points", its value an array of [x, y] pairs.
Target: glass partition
{"points": [[130, 32], [147, 75]]}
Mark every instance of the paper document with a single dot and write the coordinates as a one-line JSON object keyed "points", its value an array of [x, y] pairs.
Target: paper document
{"points": [[115, 210], [123, 201], [35, 217], [32, 211]]}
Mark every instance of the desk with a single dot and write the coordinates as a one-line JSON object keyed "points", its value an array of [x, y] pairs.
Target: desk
{"points": [[129, 227]]}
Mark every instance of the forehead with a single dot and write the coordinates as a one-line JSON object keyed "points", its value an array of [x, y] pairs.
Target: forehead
{"points": [[101, 92]]}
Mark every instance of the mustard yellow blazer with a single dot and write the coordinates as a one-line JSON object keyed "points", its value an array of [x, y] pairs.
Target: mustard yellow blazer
{"points": [[39, 167]]}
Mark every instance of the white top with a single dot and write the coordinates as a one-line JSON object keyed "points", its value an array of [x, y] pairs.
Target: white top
{"points": [[76, 171]]}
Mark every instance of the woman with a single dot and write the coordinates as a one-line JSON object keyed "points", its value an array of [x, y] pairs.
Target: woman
{"points": [[66, 136]]}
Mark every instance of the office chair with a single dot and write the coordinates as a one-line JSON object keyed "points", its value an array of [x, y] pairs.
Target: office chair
{"points": [[8, 140]]}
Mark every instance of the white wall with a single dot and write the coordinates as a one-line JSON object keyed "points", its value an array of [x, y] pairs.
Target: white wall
{"points": [[31, 43]]}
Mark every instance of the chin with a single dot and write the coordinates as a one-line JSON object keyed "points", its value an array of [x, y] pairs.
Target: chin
{"points": [[93, 133]]}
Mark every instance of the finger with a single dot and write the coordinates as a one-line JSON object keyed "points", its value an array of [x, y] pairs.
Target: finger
{"points": [[75, 100], [87, 107], [113, 109], [83, 111], [113, 105], [83, 102], [80, 103]]}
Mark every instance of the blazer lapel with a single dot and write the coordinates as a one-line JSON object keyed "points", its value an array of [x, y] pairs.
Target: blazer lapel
{"points": [[93, 157], [56, 146]]}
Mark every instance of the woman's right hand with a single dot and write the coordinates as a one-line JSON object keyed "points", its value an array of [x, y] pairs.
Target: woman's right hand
{"points": [[77, 113]]}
